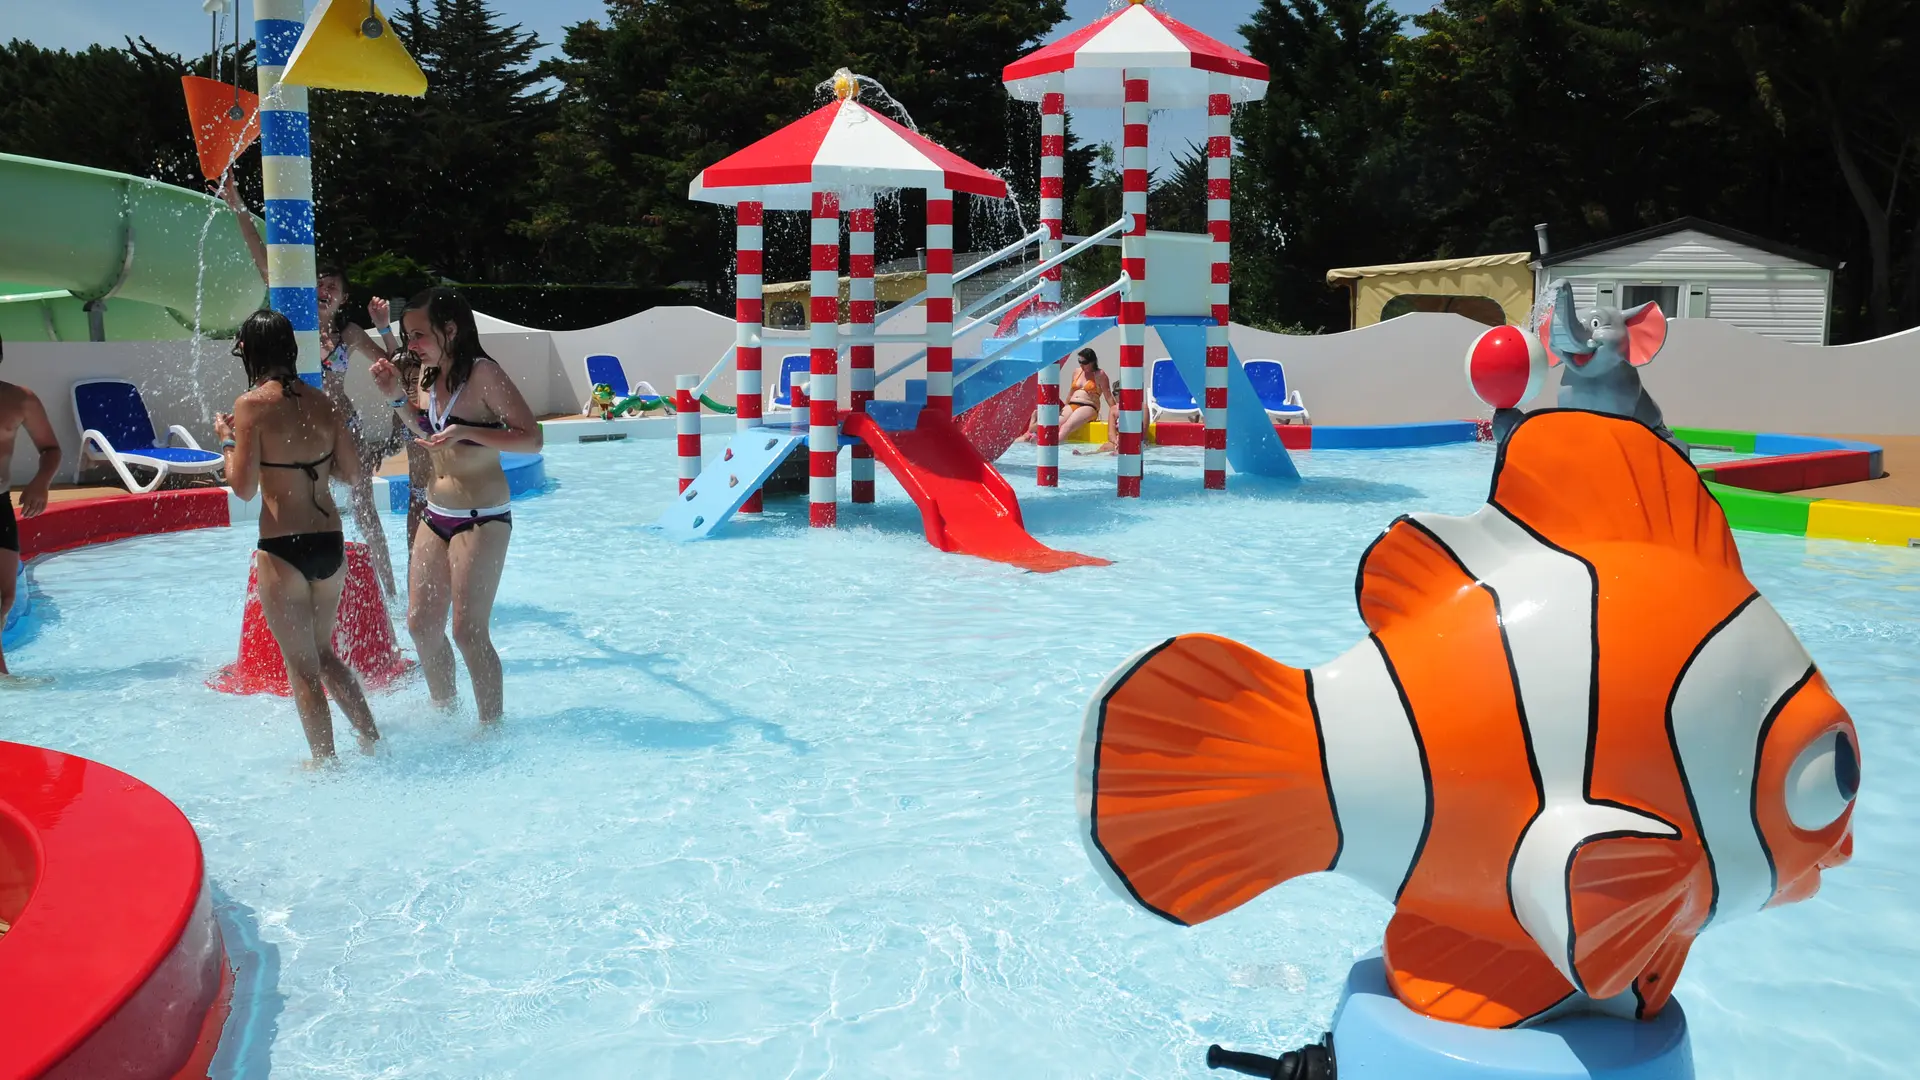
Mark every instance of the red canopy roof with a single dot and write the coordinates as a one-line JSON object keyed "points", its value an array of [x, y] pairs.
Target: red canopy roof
{"points": [[844, 147], [1178, 60]]}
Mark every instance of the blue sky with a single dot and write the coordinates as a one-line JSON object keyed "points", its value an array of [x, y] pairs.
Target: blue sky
{"points": [[179, 26]]}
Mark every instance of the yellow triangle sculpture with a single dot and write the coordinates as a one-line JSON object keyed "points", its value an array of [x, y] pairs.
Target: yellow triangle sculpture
{"points": [[335, 53]]}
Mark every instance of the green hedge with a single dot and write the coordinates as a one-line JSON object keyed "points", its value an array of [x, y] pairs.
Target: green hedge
{"points": [[543, 307]]}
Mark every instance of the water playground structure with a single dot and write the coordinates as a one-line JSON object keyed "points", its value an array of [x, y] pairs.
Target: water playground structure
{"points": [[841, 155], [1574, 736]]}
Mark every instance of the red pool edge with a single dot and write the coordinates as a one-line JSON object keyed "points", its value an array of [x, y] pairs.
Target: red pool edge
{"points": [[114, 966], [77, 523]]}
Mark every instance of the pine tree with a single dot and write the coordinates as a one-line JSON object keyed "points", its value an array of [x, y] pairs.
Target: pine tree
{"points": [[1319, 182]]}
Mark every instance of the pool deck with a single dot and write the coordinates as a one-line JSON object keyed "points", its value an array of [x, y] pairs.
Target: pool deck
{"points": [[1899, 487]]}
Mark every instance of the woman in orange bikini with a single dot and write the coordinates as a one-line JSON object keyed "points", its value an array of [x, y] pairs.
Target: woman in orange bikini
{"points": [[285, 441], [1090, 387]]}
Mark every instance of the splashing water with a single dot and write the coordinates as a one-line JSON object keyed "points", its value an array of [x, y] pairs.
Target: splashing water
{"points": [[866, 90], [199, 305]]}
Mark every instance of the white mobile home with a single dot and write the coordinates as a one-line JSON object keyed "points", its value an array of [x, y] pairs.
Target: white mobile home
{"points": [[1695, 269]]}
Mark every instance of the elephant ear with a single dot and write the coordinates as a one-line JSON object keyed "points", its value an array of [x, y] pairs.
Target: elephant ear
{"points": [[1562, 323], [1646, 334]]}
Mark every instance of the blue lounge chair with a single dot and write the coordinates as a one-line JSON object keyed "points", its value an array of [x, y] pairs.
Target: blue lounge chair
{"points": [[1168, 396], [1270, 382], [797, 364], [602, 368], [115, 427]]}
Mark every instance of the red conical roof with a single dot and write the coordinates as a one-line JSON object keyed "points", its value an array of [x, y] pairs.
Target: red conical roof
{"points": [[843, 147], [1178, 59]]}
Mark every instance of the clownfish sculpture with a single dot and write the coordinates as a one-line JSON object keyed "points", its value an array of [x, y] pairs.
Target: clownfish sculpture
{"points": [[1575, 737]]}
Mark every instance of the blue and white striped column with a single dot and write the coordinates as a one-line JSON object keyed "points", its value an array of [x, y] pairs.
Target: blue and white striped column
{"points": [[286, 166]]}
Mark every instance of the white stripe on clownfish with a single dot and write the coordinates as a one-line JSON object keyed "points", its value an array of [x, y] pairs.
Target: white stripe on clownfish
{"points": [[1375, 768], [1546, 599], [1732, 686]]}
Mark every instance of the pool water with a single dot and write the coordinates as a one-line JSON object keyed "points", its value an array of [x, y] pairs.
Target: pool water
{"points": [[800, 804]]}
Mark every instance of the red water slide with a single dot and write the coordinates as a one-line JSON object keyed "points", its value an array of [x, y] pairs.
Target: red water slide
{"points": [[968, 507]]}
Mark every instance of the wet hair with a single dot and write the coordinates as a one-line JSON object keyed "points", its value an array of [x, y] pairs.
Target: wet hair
{"points": [[1088, 356], [443, 305], [269, 351]]}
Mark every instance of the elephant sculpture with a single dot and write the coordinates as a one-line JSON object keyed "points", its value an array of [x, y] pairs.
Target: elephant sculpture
{"points": [[1602, 355]]}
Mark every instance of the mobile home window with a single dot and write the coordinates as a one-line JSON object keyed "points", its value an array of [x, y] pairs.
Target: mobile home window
{"points": [[1667, 296]]}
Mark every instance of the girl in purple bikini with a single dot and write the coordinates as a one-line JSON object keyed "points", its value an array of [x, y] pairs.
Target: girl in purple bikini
{"points": [[465, 413]]}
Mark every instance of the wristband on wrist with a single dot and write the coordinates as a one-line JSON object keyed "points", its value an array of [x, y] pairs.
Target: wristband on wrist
{"points": [[228, 444], [397, 403]]}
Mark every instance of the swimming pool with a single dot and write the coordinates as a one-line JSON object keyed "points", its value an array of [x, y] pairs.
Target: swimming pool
{"points": [[798, 803]]}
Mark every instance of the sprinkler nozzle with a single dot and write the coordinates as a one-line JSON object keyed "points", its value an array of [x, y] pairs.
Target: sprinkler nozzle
{"points": [[371, 27]]}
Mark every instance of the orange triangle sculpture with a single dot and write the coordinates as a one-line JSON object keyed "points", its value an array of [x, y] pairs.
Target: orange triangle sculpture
{"points": [[219, 137]]}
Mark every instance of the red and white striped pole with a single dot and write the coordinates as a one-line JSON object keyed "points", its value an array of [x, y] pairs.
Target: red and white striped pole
{"points": [[1046, 441], [823, 391], [748, 314], [1133, 304], [686, 426], [940, 301], [1053, 218], [1053, 183], [860, 312], [1220, 224]]}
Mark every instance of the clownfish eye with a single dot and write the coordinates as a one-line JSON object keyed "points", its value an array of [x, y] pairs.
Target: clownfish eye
{"points": [[1823, 781]]}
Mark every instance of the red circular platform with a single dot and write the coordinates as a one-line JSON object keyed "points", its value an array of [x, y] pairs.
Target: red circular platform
{"points": [[113, 965]]}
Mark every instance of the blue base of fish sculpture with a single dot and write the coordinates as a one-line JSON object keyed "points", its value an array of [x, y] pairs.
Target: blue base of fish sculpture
{"points": [[1375, 1037]]}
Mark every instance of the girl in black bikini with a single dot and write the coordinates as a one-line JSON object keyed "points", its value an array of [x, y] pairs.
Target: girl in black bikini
{"points": [[465, 413], [285, 441], [339, 340]]}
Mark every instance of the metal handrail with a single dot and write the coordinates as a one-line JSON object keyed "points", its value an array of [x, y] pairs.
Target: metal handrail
{"points": [[1125, 223], [1122, 284], [994, 259], [718, 366], [958, 333], [1031, 294]]}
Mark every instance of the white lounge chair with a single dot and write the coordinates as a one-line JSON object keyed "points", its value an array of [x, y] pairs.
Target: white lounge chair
{"points": [[607, 369], [115, 427], [793, 372], [1270, 382]]}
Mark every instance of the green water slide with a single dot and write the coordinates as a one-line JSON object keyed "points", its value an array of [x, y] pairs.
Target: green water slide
{"points": [[87, 254]]}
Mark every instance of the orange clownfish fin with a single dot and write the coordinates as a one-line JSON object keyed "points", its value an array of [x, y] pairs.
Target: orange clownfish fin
{"points": [[1588, 898], [1202, 778], [1405, 572], [1655, 985], [1441, 971], [1630, 896], [1579, 478]]}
